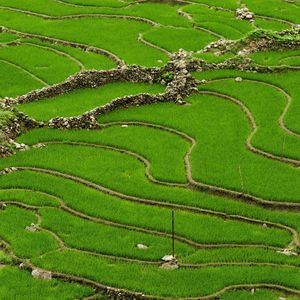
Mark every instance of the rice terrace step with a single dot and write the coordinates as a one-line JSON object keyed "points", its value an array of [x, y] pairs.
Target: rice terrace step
{"points": [[150, 149]]}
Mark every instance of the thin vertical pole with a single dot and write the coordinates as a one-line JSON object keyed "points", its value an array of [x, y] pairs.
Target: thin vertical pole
{"points": [[283, 145], [242, 180], [173, 234]]}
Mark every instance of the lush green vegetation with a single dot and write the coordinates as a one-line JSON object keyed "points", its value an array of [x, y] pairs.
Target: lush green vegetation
{"points": [[71, 104], [97, 204], [17, 285]]}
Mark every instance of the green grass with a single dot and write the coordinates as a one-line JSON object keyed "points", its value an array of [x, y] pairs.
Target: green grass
{"points": [[155, 281], [212, 58], [259, 294], [219, 127], [89, 60], [289, 58], [165, 151], [4, 258], [7, 37], [16, 284], [288, 81], [219, 21], [105, 239], [118, 36], [15, 81], [25, 244], [262, 177], [79, 101], [37, 61], [28, 197], [173, 39], [146, 216], [266, 110], [275, 8], [242, 255]]}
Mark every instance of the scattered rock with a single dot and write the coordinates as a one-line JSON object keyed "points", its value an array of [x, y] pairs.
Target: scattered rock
{"points": [[21, 266], [39, 146], [5, 151], [243, 13], [288, 252], [238, 79], [8, 170], [169, 266], [142, 246], [124, 126], [265, 225], [40, 274], [168, 258], [220, 46], [32, 228]]}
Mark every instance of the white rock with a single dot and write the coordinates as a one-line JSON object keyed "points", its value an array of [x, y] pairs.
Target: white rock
{"points": [[168, 258], [124, 126], [40, 274], [288, 252], [21, 266], [142, 246], [31, 228], [39, 145], [238, 79]]}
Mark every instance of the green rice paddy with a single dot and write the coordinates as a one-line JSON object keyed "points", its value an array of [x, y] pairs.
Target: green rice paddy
{"points": [[94, 206]]}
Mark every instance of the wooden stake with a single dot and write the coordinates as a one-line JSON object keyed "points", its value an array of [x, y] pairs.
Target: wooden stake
{"points": [[173, 234], [242, 181], [283, 146]]}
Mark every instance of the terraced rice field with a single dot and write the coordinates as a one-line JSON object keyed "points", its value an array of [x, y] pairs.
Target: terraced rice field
{"points": [[134, 130]]}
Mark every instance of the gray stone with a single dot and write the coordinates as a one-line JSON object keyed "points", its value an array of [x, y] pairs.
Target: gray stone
{"points": [[169, 266], [41, 274]]}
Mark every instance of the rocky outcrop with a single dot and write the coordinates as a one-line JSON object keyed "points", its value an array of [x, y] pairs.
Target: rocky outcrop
{"points": [[243, 13], [181, 84]]}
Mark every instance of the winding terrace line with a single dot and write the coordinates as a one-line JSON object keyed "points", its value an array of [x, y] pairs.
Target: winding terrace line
{"points": [[147, 43], [233, 11], [196, 26], [63, 246], [58, 52], [81, 46], [25, 71], [108, 289], [79, 16], [194, 185], [254, 127], [281, 91], [83, 5], [147, 165], [167, 205]]}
